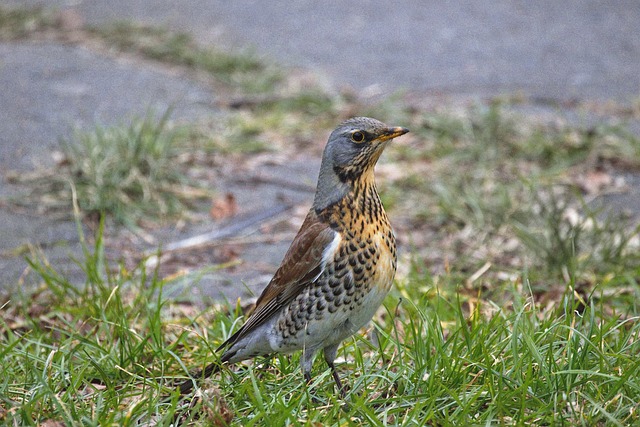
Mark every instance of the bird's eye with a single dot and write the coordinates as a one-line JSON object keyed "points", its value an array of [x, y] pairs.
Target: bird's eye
{"points": [[357, 136]]}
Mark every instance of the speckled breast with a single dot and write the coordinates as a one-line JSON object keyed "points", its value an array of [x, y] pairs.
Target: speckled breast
{"points": [[354, 281]]}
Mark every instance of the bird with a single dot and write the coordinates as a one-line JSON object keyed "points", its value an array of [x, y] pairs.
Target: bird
{"points": [[339, 267]]}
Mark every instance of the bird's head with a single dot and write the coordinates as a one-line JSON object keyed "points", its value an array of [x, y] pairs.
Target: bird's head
{"points": [[353, 150]]}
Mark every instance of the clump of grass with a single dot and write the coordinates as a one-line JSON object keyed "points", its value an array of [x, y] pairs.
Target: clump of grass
{"points": [[130, 172], [242, 69], [74, 352], [518, 366], [20, 23], [277, 123], [501, 189], [140, 174], [560, 239]]}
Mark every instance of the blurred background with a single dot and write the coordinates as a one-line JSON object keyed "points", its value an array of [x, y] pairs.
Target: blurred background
{"points": [[251, 90]]}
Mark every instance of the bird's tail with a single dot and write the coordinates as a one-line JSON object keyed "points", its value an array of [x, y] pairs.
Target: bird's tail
{"points": [[188, 385], [211, 369]]}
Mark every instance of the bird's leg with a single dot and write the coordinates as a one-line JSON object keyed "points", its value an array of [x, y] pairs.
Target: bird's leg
{"points": [[307, 362], [329, 357], [336, 377]]}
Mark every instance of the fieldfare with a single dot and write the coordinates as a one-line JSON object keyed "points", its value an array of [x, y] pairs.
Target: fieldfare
{"points": [[339, 267]]}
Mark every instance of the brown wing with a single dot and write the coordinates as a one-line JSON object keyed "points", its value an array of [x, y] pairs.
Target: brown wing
{"points": [[301, 265]]}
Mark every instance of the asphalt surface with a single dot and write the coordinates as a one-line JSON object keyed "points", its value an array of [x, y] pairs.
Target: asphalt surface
{"points": [[547, 51], [585, 49]]}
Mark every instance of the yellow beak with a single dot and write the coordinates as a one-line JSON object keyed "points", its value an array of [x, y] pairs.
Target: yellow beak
{"points": [[391, 133]]}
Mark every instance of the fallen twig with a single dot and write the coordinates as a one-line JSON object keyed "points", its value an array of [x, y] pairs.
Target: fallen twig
{"points": [[223, 233]]}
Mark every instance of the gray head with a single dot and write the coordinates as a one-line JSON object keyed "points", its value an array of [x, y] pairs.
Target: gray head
{"points": [[353, 150]]}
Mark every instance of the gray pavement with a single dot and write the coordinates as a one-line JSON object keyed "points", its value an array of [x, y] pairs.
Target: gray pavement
{"points": [[50, 90], [548, 51], [585, 49]]}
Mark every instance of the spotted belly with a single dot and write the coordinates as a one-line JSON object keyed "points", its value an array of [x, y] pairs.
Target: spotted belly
{"points": [[343, 298]]}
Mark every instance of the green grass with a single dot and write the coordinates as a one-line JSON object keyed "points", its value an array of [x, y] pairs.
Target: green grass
{"points": [[238, 71], [130, 172], [105, 353], [508, 191], [244, 70], [20, 23], [133, 173]]}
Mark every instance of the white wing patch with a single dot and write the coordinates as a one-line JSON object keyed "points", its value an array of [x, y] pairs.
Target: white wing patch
{"points": [[329, 253]]}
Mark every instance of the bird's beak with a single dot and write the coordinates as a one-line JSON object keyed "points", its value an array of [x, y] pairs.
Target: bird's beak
{"points": [[391, 133]]}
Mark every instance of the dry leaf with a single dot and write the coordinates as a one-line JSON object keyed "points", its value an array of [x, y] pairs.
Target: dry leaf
{"points": [[224, 207], [594, 182], [52, 423]]}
